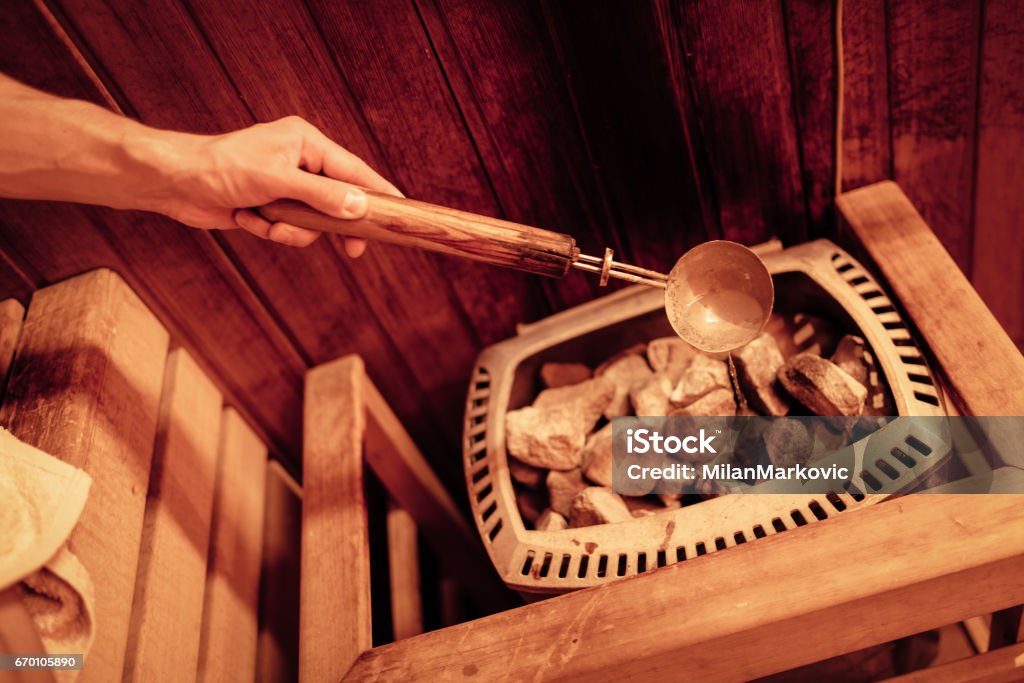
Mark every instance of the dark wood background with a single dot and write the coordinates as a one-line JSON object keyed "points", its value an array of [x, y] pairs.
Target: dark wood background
{"points": [[647, 126]]}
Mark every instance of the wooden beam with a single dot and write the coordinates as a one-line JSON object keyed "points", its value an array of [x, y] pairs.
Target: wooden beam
{"points": [[1005, 665], [85, 388], [228, 644], [984, 367], [334, 613], [277, 657], [759, 608], [404, 572], [167, 611]]}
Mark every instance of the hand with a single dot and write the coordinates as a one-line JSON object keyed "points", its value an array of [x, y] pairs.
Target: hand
{"points": [[215, 179]]}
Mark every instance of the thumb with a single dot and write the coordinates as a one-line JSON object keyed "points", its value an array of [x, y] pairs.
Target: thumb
{"points": [[332, 197]]}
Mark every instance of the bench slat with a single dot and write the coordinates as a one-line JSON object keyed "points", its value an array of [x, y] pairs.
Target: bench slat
{"points": [[168, 607]]}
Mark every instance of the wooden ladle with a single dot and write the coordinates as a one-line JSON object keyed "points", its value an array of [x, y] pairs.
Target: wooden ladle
{"points": [[718, 296]]}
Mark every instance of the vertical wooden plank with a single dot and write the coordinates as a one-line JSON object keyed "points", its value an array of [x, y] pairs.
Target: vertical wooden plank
{"points": [[227, 648], [636, 124], [737, 66], [810, 39], [810, 30], [999, 206], [85, 387], [277, 656], [404, 566], [867, 157], [335, 617], [933, 52], [167, 611]]}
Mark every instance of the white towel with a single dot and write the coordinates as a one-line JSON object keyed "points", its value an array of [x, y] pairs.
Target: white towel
{"points": [[41, 499]]}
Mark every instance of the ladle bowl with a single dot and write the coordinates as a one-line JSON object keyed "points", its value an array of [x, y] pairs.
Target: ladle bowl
{"points": [[719, 296]]}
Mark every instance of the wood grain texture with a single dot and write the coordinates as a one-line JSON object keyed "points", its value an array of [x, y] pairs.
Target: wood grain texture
{"points": [[984, 368], [404, 572], [227, 648], [277, 657], [998, 271], [167, 610], [737, 632], [933, 53], [738, 69], [280, 64], [639, 123], [335, 613], [85, 388], [811, 43], [488, 299], [498, 58], [420, 225], [867, 155]]}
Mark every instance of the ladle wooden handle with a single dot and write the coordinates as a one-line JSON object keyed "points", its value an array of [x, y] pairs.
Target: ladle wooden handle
{"points": [[411, 223]]}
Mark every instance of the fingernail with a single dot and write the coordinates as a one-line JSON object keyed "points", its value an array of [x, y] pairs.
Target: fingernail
{"points": [[354, 205]]}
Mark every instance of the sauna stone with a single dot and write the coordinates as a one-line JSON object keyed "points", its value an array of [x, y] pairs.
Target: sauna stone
{"points": [[597, 456], [550, 520], [703, 376], [670, 356], [624, 373], [552, 432], [853, 356], [547, 438], [527, 475], [787, 442], [720, 401], [562, 489], [757, 366], [555, 375], [650, 396], [597, 505], [822, 386]]}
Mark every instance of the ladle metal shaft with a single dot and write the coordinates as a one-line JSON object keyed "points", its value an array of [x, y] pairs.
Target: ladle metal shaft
{"points": [[609, 268]]}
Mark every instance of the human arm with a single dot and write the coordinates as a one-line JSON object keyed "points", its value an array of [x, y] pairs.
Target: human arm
{"points": [[70, 150]]}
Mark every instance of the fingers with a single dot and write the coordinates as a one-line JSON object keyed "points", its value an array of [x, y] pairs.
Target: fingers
{"points": [[283, 233], [355, 246], [320, 153], [333, 197]]}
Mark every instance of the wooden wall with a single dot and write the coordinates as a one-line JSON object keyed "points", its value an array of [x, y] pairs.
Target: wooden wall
{"points": [[644, 125]]}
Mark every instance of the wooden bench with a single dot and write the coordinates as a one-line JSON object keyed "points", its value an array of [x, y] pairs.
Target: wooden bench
{"points": [[190, 534]]}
